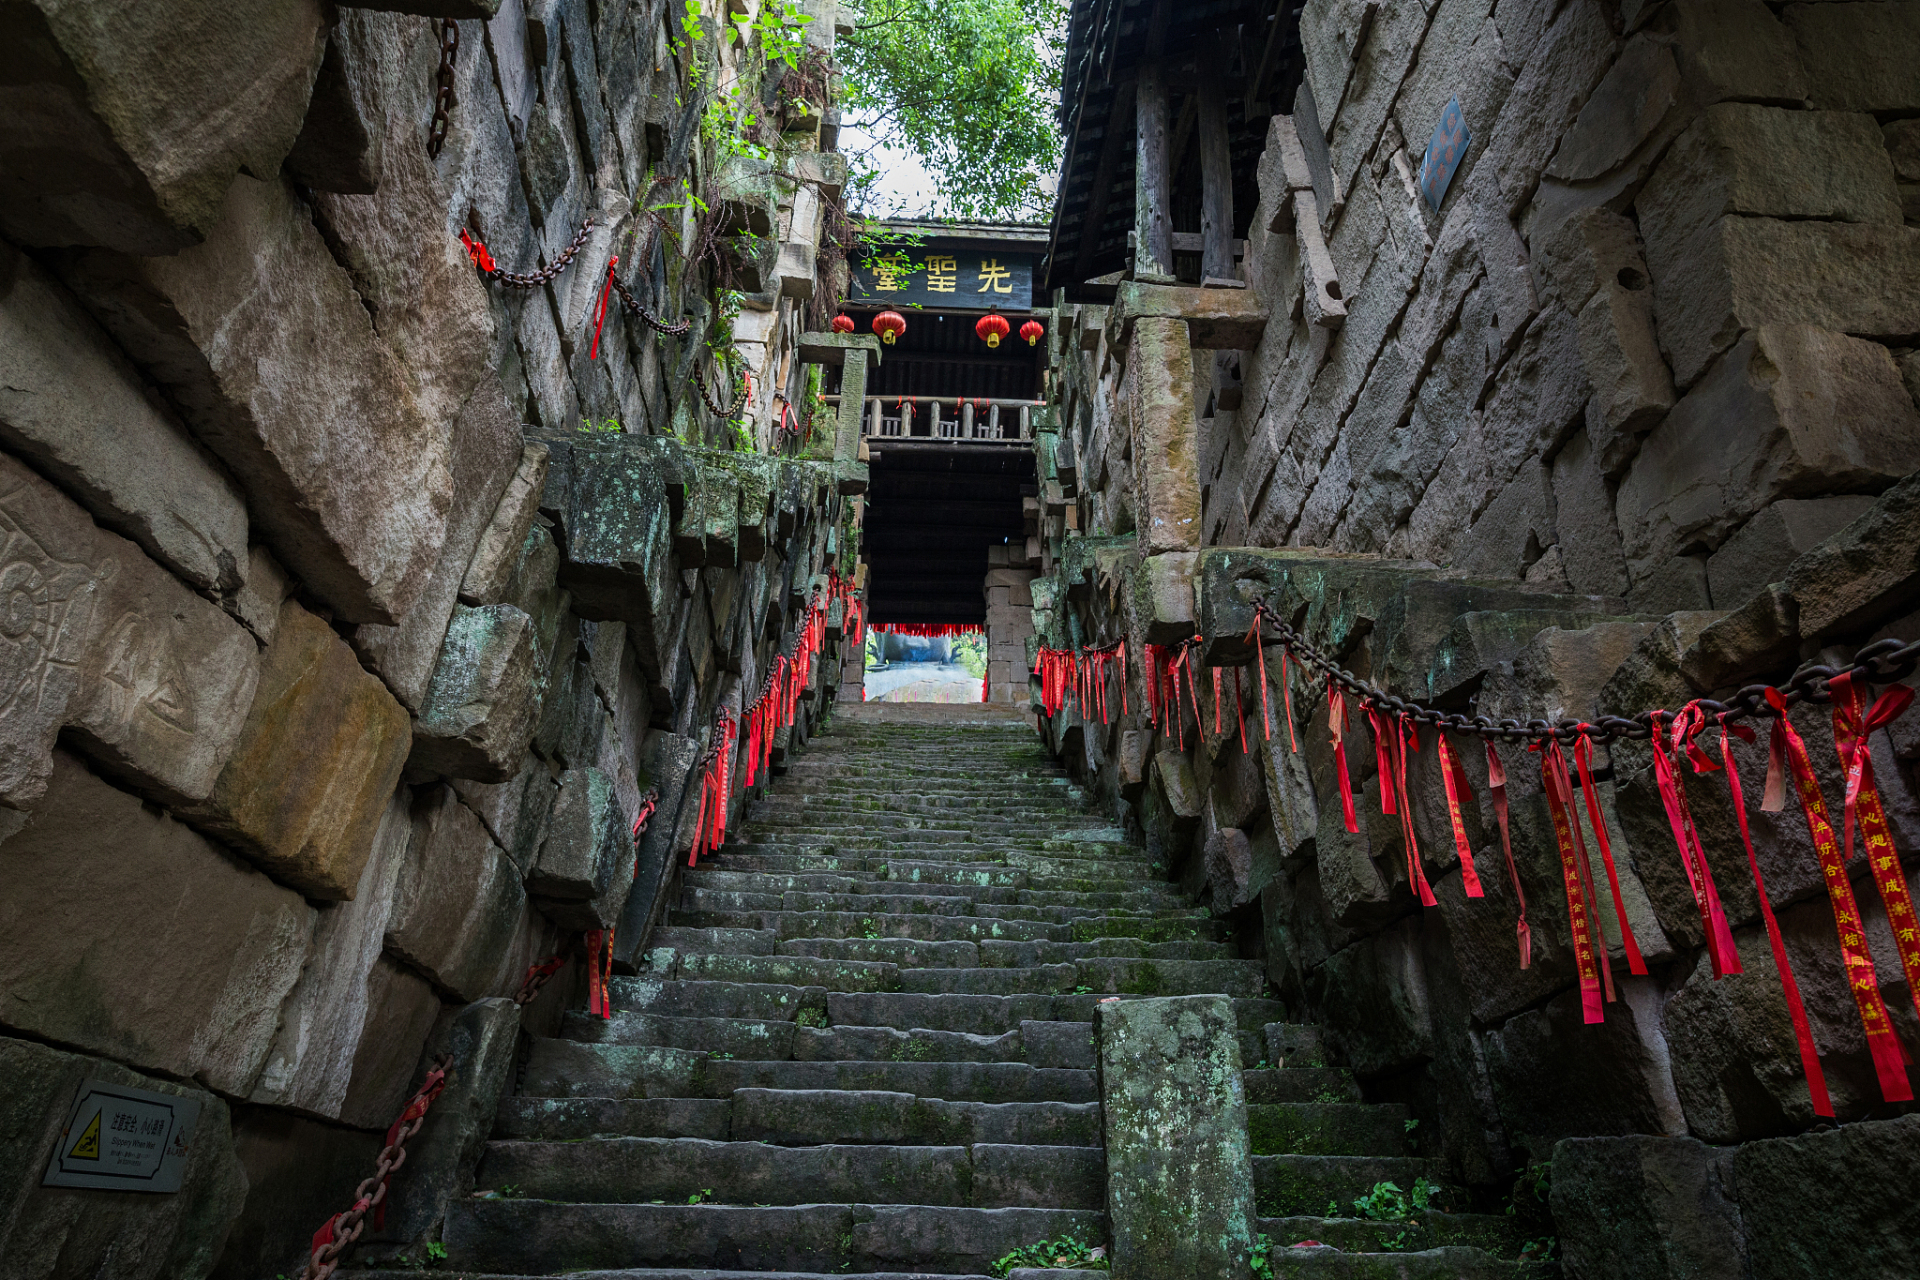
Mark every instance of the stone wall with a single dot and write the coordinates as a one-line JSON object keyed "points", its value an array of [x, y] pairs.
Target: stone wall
{"points": [[1630, 419], [355, 600]]}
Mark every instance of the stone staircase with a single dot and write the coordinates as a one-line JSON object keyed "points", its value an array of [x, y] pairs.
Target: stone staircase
{"points": [[863, 1041]]}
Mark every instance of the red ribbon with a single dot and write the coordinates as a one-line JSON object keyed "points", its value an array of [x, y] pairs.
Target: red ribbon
{"points": [[477, 252], [1406, 742], [1889, 1059], [1458, 793], [599, 982], [600, 312], [1553, 778], [1497, 789], [1693, 858], [1852, 722], [1802, 1032], [1382, 764], [1582, 759], [1337, 727]]}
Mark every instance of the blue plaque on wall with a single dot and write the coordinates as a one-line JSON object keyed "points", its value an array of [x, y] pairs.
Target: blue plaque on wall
{"points": [[1445, 150]]}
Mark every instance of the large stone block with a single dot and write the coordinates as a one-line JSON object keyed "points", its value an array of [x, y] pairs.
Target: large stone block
{"points": [[315, 765], [1790, 412], [125, 126], [1379, 1017], [251, 331], [126, 933], [459, 913], [311, 1062], [401, 1008], [1865, 573], [1179, 1170], [586, 863], [145, 676], [1165, 436], [1583, 517], [1808, 1200], [1740, 273], [63, 1233], [486, 450], [1659, 1208], [1554, 1077], [72, 403], [484, 703], [295, 1168], [618, 524], [1860, 56], [1760, 551]]}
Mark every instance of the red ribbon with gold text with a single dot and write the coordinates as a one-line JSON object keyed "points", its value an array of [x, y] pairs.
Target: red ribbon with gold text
{"points": [[1852, 722], [1553, 778]]}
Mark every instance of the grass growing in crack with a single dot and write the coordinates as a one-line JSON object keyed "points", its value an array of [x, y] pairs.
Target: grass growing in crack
{"points": [[1065, 1254]]}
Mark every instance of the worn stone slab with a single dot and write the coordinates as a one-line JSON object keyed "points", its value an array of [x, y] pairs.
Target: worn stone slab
{"points": [[1216, 319], [246, 332], [1763, 548], [127, 126], [89, 958], [148, 678], [60, 1231], [1179, 1176], [618, 524], [832, 348], [1859, 57], [401, 1009], [459, 912], [73, 404], [587, 852], [1664, 1208], [1807, 1200], [322, 748]]}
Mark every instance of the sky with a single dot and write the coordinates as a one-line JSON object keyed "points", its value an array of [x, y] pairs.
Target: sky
{"points": [[905, 185]]}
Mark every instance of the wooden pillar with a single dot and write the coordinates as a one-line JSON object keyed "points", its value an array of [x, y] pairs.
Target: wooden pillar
{"points": [[1216, 176], [1152, 184]]}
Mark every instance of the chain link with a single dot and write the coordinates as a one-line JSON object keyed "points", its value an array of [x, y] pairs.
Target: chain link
{"points": [[653, 322], [1882, 662], [443, 96], [706, 397], [534, 279]]}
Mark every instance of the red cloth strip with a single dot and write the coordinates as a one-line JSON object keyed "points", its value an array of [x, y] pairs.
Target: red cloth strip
{"points": [[1582, 759], [1852, 722], [1406, 742], [1458, 793], [1553, 777], [1497, 790], [1337, 727]]}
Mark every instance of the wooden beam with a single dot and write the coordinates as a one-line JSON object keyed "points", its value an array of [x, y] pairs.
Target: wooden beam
{"points": [[1152, 183], [1216, 176], [1111, 147]]}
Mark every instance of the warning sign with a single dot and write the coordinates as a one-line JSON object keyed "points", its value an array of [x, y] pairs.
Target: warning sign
{"points": [[123, 1139]]}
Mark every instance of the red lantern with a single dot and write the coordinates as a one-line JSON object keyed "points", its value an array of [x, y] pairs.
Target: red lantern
{"points": [[889, 325], [992, 328], [843, 324], [1033, 331]]}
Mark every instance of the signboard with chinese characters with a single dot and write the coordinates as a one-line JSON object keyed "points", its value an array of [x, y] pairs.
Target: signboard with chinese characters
{"points": [[119, 1138], [944, 279]]}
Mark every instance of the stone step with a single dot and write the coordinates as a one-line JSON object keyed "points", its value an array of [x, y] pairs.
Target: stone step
{"points": [[997, 954], [908, 953], [766, 890], [803, 1117], [1328, 1129], [1495, 1233], [715, 1037], [1284, 1186], [1294, 1045], [878, 924], [1041, 1044], [676, 1170], [702, 1273], [784, 970], [530, 1237], [951, 1081], [1453, 1263], [1307, 1084]]}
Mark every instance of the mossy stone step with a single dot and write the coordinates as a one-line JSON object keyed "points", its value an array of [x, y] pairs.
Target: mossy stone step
{"points": [[571, 1119], [1302, 1084], [953, 1081], [532, 1237], [806, 1117], [640, 1170], [1328, 1129], [1498, 1235], [873, 924], [1284, 1186]]}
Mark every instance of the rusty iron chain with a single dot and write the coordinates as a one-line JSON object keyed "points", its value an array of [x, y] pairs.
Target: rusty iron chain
{"points": [[659, 326], [443, 95], [371, 1193], [1882, 662], [706, 397], [534, 279]]}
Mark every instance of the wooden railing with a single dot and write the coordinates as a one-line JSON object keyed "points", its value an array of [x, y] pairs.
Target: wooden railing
{"points": [[947, 418]]}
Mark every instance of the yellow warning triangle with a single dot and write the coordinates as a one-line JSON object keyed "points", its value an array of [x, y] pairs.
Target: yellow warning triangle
{"points": [[88, 1148]]}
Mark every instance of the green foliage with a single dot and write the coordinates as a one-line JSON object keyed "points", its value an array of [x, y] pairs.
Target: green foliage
{"points": [[1064, 1254], [610, 425], [1261, 1258], [1387, 1203], [970, 651], [969, 86], [1543, 1249], [700, 1197], [436, 1252]]}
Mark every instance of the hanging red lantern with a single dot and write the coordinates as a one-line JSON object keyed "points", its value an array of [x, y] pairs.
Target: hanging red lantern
{"points": [[992, 328], [843, 324], [889, 325], [1033, 331]]}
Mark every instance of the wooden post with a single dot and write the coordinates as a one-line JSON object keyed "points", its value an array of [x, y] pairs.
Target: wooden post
{"points": [[1216, 176], [1152, 193], [873, 416]]}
